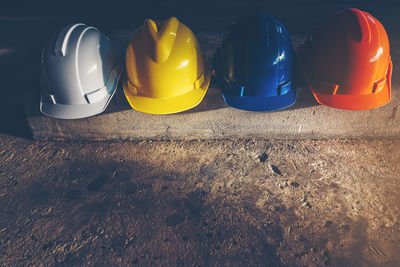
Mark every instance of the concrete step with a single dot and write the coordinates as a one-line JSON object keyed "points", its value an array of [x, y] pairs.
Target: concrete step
{"points": [[212, 119]]}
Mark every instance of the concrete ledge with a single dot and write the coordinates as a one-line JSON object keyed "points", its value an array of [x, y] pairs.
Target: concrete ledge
{"points": [[212, 119]]}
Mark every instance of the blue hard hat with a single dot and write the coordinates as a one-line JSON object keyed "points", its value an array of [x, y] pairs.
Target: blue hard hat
{"points": [[253, 66]]}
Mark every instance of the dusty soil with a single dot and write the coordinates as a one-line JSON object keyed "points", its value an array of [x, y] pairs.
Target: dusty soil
{"points": [[200, 203]]}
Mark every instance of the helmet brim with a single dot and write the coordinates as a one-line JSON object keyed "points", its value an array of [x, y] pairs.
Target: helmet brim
{"points": [[61, 111], [166, 105], [269, 103], [355, 102]]}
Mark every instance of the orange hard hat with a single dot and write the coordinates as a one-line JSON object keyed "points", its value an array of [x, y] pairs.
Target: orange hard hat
{"points": [[347, 63]]}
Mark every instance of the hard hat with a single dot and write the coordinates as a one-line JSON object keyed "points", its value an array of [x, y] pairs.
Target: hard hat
{"points": [[346, 61], [165, 69], [253, 66], [80, 72]]}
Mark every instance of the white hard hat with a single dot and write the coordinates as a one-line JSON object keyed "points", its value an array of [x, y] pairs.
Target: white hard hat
{"points": [[80, 73]]}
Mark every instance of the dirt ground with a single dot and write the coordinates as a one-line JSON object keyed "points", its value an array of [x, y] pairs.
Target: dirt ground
{"points": [[200, 203]]}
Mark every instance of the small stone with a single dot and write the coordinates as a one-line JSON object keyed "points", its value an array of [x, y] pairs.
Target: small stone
{"points": [[294, 184], [263, 157], [130, 241], [275, 169]]}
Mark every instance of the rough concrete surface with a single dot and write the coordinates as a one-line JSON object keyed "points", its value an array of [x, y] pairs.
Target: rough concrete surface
{"points": [[200, 203], [212, 119]]}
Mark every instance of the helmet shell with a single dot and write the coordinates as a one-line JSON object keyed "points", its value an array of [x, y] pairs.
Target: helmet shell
{"points": [[253, 66], [347, 61], [165, 69], [79, 73]]}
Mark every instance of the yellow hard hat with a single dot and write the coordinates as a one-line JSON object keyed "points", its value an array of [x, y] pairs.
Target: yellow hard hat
{"points": [[165, 70]]}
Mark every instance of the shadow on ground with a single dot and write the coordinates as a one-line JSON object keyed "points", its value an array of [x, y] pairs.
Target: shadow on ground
{"points": [[116, 213], [164, 203]]}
